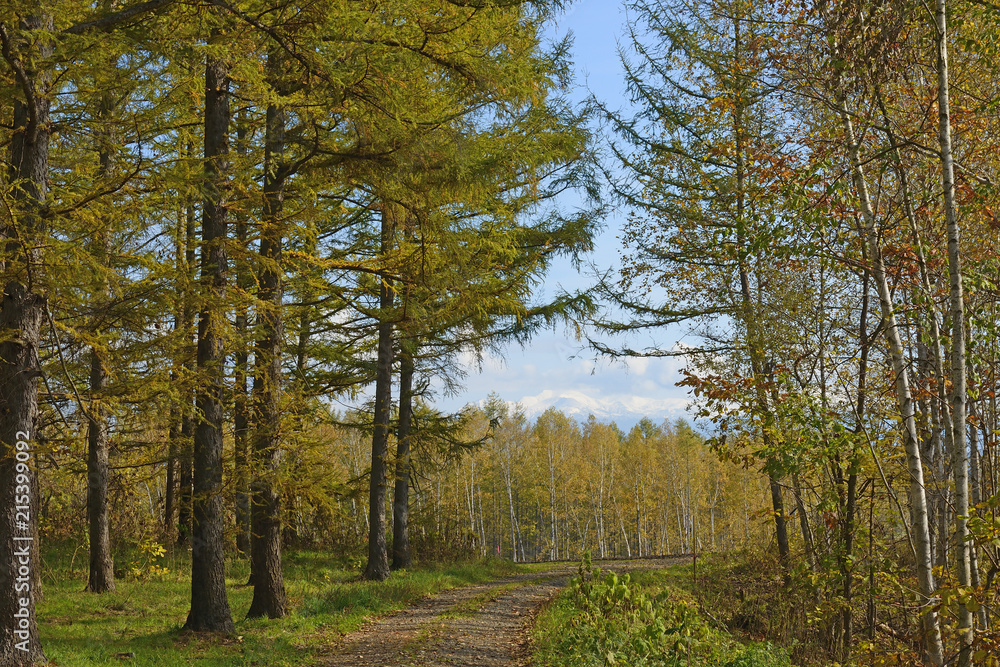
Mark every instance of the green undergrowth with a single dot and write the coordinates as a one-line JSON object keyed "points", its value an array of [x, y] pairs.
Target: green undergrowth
{"points": [[140, 623], [642, 620]]}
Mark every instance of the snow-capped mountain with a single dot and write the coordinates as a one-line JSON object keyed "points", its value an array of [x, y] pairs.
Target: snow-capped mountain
{"points": [[624, 410]]}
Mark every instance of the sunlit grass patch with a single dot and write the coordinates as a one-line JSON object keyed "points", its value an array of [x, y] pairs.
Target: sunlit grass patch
{"points": [[140, 623]]}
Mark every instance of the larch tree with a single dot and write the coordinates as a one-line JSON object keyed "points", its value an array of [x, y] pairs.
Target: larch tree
{"points": [[265, 533], [28, 43], [458, 90], [27, 47], [209, 602], [704, 161]]}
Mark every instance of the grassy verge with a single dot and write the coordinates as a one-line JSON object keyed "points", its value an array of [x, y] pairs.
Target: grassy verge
{"points": [[644, 619], [145, 614]]}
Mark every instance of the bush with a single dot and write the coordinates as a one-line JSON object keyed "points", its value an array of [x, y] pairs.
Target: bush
{"points": [[642, 621]]}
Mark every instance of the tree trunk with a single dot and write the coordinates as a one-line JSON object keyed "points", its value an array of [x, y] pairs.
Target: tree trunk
{"points": [[241, 429], [378, 557], [845, 558], [209, 604], [974, 499], [401, 494], [185, 483], [754, 333], [508, 482], [807, 537], [265, 538], [959, 460], [186, 444], [241, 399], [102, 576], [22, 311], [918, 499], [940, 416], [170, 492]]}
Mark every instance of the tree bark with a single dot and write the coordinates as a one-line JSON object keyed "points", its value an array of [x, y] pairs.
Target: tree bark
{"points": [[102, 576], [911, 442], [170, 491], [22, 311], [959, 458], [185, 484], [241, 399], [185, 481], [269, 597], [241, 433], [846, 556], [378, 558], [940, 415], [974, 500], [209, 604], [401, 493]]}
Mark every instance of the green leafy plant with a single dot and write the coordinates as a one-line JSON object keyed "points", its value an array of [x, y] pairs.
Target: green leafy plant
{"points": [[606, 619], [147, 563]]}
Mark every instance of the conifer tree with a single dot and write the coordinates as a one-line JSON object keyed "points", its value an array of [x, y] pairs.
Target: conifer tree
{"points": [[26, 47], [265, 535], [706, 174], [209, 602]]}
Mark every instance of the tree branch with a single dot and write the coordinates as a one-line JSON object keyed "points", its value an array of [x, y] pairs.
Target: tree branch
{"points": [[115, 19]]}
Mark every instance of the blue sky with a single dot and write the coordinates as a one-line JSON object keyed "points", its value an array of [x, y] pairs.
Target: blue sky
{"points": [[554, 369]]}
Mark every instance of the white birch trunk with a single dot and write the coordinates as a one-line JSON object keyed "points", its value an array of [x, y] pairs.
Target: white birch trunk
{"points": [[911, 442], [960, 460]]}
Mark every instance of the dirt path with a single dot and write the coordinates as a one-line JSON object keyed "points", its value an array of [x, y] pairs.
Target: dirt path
{"points": [[483, 626]]}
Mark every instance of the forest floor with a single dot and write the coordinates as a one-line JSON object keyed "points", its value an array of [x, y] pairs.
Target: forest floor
{"points": [[486, 625]]}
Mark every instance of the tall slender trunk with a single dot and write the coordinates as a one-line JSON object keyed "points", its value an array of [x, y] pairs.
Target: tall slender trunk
{"points": [[101, 578], [209, 603], [974, 500], [185, 477], [185, 447], [807, 537], [478, 494], [940, 416], [170, 485], [846, 556], [911, 443], [959, 453], [378, 557], [509, 483], [553, 517], [22, 310], [241, 368], [754, 334], [265, 537], [401, 491], [176, 409]]}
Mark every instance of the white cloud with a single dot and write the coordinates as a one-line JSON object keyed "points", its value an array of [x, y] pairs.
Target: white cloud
{"points": [[624, 407], [555, 371], [637, 365]]}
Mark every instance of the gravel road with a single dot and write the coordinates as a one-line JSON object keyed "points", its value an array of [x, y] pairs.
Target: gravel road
{"points": [[486, 625]]}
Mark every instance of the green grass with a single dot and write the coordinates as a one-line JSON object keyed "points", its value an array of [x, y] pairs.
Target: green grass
{"points": [[643, 619], [144, 616]]}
